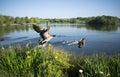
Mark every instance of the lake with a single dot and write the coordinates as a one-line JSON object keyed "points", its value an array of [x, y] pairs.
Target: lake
{"points": [[99, 39]]}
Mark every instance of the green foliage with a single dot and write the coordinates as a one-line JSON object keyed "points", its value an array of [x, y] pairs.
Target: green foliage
{"points": [[30, 61], [95, 66], [99, 20], [68, 20], [102, 20], [33, 62], [9, 20]]}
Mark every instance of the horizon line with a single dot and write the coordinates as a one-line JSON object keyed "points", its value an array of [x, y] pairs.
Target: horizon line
{"points": [[60, 17]]}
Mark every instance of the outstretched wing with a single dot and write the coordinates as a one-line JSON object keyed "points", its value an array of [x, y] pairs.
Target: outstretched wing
{"points": [[36, 28]]}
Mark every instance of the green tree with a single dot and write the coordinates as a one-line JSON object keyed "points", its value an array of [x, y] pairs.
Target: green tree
{"points": [[102, 20], [11, 20], [36, 20], [17, 20], [31, 20], [22, 20], [1, 20], [27, 19]]}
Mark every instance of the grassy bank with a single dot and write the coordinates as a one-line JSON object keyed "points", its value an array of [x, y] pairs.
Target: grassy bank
{"points": [[30, 61]]}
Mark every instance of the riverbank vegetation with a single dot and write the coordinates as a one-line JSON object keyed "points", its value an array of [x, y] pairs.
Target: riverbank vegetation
{"points": [[98, 20], [103, 20], [30, 61]]}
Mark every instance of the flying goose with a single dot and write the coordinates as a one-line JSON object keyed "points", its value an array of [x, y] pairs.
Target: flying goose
{"points": [[44, 33]]}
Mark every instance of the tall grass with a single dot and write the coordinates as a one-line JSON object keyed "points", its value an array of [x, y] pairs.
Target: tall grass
{"points": [[33, 62], [28, 61], [95, 66]]}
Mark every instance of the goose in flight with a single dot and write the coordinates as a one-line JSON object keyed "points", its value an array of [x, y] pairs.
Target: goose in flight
{"points": [[44, 33]]}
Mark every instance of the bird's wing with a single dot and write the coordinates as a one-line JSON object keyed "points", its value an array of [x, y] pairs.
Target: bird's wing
{"points": [[36, 28], [48, 27]]}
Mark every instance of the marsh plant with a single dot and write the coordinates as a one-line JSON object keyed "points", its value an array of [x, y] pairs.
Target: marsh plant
{"points": [[31, 61], [95, 66]]}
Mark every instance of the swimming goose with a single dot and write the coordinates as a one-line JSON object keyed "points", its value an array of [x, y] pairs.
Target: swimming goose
{"points": [[44, 33], [81, 43]]}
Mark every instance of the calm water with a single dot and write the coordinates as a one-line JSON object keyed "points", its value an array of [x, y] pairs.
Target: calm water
{"points": [[104, 39]]}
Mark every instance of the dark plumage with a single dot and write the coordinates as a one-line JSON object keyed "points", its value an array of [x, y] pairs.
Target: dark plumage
{"points": [[44, 33], [37, 28], [81, 43]]}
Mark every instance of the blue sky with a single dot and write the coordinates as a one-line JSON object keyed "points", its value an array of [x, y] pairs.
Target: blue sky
{"points": [[59, 8]]}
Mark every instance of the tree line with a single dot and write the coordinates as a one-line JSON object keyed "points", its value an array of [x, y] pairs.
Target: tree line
{"points": [[98, 20], [9, 20], [103, 20]]}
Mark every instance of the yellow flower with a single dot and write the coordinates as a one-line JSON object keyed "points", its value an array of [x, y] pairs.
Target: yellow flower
{"points": [[28, 53], [49, 45], [3, 48], [34, 50], [108, 74], [56, 57], [28, 57]]}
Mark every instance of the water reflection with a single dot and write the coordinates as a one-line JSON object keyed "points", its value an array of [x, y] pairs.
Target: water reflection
{"points": [[102, 27], [8, 29]]}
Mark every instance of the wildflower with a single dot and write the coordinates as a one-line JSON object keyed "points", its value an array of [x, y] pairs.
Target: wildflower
{"points": [[108, 74], [56, 57], [34, 50], [10, 47], [28, 57], [49, 45], [27, 45], [28, 53], [101, 72], [3, 48], [81, 71]]}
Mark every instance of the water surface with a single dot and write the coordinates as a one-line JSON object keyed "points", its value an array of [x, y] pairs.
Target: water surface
{"points": [[103, 39]]}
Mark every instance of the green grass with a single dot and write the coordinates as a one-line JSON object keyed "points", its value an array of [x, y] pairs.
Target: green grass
{"points": [[95, 66], [28, 61]]}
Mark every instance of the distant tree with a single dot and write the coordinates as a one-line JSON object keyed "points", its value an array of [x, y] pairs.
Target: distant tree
{"points": [[17, 20], [22, 20], [102, 20], [2, 19], [36, 20], [6, 20], [12, 20], [31, 20], [27, 20]]}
